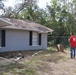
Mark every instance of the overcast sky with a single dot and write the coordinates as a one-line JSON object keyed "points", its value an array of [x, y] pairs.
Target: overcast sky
{"points": [[41, 3]]}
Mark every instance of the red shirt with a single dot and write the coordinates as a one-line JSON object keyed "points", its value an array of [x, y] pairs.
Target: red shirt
{"points": [[72, 41]]}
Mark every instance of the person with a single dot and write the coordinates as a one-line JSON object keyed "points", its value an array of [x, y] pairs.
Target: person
{"points": [[72, 41]]}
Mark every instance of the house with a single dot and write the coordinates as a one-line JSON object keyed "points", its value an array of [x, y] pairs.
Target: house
{"points": [[18, 34]]}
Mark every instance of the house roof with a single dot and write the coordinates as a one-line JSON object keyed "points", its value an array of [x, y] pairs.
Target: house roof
{"points": [[9, 23], [4, 22]]}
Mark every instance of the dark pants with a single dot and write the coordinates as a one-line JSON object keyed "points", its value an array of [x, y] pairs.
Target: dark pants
{"points": [[72, 52]]}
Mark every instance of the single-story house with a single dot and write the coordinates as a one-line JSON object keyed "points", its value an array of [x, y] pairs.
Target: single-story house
{"points": [[18, 34]]}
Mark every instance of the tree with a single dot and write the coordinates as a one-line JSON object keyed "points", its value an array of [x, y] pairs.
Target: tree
{"points": [[9, 13], [33, 13], [25, 4], [2, 6], [19, 7], [56, 17]]}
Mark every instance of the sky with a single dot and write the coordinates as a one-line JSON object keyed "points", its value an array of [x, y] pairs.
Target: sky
{"points": [[41, 3], [10, 3]]}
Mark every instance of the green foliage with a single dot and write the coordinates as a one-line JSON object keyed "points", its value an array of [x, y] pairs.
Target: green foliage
{"points": [[59, 16]]}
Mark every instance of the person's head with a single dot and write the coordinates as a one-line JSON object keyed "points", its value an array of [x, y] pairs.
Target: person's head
{"points": [[72, 33]]}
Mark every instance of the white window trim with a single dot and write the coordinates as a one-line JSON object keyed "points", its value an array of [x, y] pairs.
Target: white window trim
{"points": [[35, 35]]}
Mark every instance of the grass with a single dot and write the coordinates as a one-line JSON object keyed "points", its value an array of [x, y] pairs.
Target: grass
{"points": [[16, 69], [46, 62]]}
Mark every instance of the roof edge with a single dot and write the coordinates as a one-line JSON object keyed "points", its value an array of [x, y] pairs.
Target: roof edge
{"points": [[5, 21]]}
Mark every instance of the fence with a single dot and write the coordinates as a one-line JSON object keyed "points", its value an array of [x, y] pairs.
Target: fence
{"points": [[54, 40]]}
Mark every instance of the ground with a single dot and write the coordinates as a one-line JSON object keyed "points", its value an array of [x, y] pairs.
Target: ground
{"points": [[45, 62]]}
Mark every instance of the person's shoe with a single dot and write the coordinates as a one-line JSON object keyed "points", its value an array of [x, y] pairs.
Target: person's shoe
{"points": [[71, 57]]}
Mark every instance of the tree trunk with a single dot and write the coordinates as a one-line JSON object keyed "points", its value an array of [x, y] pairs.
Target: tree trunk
{"points": [[60, 47]]}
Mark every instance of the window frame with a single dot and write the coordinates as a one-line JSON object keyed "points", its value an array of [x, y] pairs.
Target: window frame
{"points": [[35, 39]]}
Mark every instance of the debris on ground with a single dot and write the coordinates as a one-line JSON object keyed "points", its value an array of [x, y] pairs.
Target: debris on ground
{"points": [[17, 57], [4, 61]]}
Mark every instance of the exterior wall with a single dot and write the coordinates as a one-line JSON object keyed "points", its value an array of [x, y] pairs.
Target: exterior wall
{"points": [[19, 40]]}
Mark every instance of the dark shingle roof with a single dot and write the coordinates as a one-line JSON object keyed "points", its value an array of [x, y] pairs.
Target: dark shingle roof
{"points": [[25, 25]]}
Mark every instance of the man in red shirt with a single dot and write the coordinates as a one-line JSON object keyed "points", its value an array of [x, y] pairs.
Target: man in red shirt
{"points": [[72, 41]]}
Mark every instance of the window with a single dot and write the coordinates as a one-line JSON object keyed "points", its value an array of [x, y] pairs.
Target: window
{"points": [[39, 39], [0, 38], [35, 38]]}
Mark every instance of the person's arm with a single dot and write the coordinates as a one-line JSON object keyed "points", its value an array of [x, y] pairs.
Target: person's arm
{"points": [[69, 39]]}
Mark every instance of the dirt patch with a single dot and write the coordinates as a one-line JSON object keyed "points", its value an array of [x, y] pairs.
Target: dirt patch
{"points": [[25, 53], [4, 61]]}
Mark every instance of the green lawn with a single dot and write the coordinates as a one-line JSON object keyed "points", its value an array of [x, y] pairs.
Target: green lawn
{"points": [[46, 62]]}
